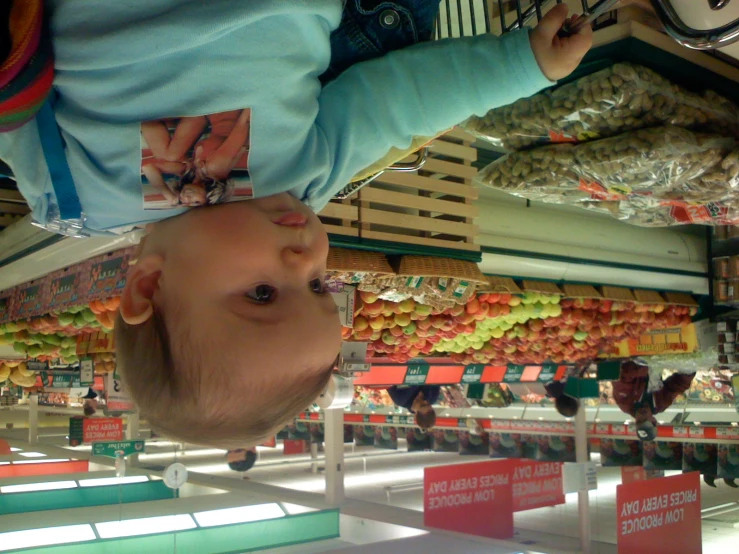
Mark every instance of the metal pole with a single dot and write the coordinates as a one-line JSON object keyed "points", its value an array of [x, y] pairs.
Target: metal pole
{"points": [[583, 500], [314, 457], [334, 447], [33, 419]]}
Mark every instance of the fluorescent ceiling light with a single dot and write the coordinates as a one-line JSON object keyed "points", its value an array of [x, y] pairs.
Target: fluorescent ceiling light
{"points": [[34, 487], [32, 455], [144, 526], [105, 481], [242, 514], [294, 509], [44, 461], [13, 449], [4, 463], [45, 537]]}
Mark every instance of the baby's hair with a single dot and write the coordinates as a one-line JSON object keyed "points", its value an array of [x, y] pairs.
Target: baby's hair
{"points": [[216, 191], [250, 458], [172, 397], [426, 420]]}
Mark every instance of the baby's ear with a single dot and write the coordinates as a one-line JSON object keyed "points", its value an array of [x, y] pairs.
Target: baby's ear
{"points": [[142, 282]]}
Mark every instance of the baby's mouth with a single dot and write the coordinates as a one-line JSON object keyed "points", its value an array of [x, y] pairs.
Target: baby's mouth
{"points": [[291, 219]]}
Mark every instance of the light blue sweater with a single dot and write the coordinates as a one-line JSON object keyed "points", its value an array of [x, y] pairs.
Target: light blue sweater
{"points": [[120, 63]]}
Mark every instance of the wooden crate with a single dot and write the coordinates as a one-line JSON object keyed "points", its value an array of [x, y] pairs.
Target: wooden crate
{"points": [[431, 207], [340, 217], [12, 204]]}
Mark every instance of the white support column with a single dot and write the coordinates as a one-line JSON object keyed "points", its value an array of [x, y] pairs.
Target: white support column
{"points": [[314, 457], [132, 427], [334, 447], [33, 419], [583, 500], [132, 434]]}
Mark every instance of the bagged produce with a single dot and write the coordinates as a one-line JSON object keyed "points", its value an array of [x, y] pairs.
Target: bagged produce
{"points": [[621, 98], [652, 177]]}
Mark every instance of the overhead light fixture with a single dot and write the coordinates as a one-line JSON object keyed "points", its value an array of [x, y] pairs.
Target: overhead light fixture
{"points": [[696, 423], [39, 461], [32, 455], [294, 509], [144, 526], [4, 463], [106, 481], [46, 537], [35, 487], [242, 514], [14, 449]]}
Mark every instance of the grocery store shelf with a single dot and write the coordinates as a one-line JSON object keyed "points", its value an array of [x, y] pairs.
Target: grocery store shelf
{"points": [[27, 252]]}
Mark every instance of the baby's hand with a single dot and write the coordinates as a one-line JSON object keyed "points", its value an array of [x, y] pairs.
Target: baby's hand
{"points": [[559, 56]]}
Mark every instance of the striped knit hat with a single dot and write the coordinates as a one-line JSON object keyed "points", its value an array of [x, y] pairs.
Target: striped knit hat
{"points": [[27, 73]]}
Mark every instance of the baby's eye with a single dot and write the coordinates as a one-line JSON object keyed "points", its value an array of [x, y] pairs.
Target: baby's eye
{"points": [[262, 294], [318, 286]]}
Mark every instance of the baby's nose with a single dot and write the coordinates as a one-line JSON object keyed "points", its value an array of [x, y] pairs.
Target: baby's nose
{"points": [[298, 258]]}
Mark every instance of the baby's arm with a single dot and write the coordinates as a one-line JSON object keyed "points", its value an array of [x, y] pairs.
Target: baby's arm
{"points": [[154, 176], [430, 87], [168, 148], [221, 160]]}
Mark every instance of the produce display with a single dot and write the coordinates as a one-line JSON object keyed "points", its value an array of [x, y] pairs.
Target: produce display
{"points": [[104, 363], [621, 98], [440, 283], [17, 373], [568, 330], [637, 175], [54, 336], [503, 328]]}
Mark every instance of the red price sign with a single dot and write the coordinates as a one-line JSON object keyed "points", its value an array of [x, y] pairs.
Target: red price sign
{"points": [[660, 516], [536, 484], [471, 498], [102, 429]]}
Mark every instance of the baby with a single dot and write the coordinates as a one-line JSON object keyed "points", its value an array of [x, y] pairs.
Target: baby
{"points": [[226, 330]]}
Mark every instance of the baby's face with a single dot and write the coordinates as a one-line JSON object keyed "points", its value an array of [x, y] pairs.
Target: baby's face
{"points": [[249, 276], [193, 195]]}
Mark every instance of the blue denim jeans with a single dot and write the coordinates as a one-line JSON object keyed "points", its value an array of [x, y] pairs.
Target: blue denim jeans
{"points": [[372, 28]]}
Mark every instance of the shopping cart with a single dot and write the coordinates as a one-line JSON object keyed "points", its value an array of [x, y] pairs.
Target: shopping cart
{"points": [[472, 17]]}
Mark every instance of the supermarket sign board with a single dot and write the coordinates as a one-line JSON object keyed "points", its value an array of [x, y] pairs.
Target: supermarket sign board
{"points": [[116, 449], [660, 515], [679, 340], [536, 484], [117, 399], [475, 498], [94, 429]]}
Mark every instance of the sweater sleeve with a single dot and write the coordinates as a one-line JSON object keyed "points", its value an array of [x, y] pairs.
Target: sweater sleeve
{"points": [[417, 91]]}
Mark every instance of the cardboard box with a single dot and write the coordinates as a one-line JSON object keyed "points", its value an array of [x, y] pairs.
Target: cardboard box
{"points": [[346, 302]]}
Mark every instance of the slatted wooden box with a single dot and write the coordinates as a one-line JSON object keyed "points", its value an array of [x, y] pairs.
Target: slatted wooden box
{"points": [[431, 207]]}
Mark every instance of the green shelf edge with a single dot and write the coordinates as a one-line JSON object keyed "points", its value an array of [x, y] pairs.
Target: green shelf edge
{"points": [[401, 248]]}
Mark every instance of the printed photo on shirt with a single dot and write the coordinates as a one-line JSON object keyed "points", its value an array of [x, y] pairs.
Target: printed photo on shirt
{"points": [[196, 161]]}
